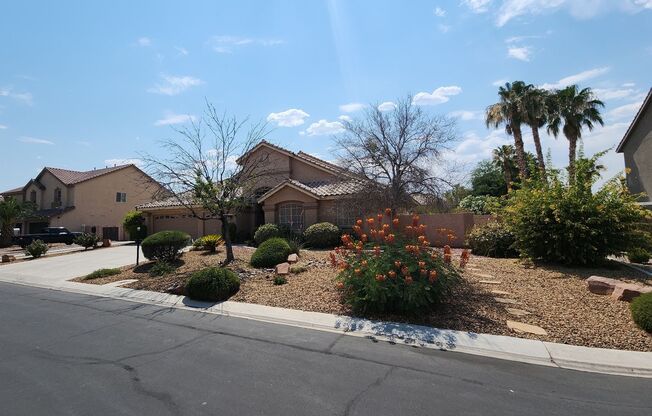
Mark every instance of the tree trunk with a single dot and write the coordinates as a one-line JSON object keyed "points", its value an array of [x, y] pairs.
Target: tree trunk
{"points": [[537, 144], [520, 151], [572, 146], [508, 174], [228, 244], [7, 233]]}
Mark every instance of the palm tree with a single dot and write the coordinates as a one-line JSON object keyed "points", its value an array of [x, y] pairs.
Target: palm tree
{"points": [[535, 114], [504, 156], [508, 112], [10, 211], [576, 109]]}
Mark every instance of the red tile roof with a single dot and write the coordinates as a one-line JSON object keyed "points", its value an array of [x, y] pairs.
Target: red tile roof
{"points": [[71, 177]]}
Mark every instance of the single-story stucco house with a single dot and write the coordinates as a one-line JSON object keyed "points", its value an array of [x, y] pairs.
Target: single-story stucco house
{"points": [[299, 190], [636, 146]]}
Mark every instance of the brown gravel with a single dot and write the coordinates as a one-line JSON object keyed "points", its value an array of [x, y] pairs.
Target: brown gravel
{"points": [[555, 296]]}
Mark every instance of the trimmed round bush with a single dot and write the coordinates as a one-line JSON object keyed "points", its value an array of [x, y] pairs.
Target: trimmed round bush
{"points": [[322, 235], [493, 239], [265, 232], [270, 253], [87, 240], [36, 249], [641, 308], [212, 284], [165, 245], [638, 255]]}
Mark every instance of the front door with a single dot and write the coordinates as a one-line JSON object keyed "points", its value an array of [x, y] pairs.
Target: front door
{"points": [[110, 232]]}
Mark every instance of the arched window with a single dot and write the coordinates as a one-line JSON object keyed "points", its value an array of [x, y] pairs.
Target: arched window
{"points": [[32, 196], [57, 197], [291, 215]]}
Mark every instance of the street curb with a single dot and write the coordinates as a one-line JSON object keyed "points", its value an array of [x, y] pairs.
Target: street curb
{"points": [[572, 357]]}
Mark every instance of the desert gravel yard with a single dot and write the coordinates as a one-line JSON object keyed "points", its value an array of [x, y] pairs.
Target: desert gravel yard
{"points": [[554, 298]]}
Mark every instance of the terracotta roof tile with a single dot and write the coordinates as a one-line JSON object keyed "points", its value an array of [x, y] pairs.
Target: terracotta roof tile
{"points": [[71, 177]]}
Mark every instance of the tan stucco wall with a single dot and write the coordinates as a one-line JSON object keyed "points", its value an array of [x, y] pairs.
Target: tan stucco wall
{"points": [[638, 156], [182, 221], [47, 195], [302, 171]]}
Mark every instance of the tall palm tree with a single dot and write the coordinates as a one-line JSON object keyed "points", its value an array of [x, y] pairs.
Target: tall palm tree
{"points": [[535, 114], [507, 111], [504, 156], [575, 109]]}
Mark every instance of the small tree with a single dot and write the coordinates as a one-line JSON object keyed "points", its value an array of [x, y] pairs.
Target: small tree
{"points": [[395, 152], [132, 220], [209, 168], [10, 211]]}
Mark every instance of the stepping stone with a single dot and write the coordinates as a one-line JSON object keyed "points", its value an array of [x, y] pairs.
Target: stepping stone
{"points": [[517, 312], [282, 269], [293, 258], [527, 328], [121, 282], [491, 282], [505, 300], [500, 292]]}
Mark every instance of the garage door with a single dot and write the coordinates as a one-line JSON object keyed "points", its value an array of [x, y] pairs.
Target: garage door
{"points": [[185, 223]]}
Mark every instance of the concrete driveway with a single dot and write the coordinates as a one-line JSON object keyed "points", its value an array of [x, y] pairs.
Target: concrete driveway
{"points": [[58, 269]]}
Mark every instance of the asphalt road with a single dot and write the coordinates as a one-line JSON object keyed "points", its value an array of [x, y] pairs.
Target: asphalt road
{"points": [[69, 354]]}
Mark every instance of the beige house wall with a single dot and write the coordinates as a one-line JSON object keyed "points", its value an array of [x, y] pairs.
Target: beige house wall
{"points": [[182, 219], [302, 171], [638, 157]]}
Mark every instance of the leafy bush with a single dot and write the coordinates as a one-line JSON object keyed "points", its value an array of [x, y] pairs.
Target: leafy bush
{"points": [[480, 204], [161, 268], [132, 220], [638, 255], [87, 240], [295, 245], [641, 308], [36, 249], [493, 239], [322, 235], [164, 246], [102, 273], [265, 232], [270, 253], [280, 280], [213, 284], [298, 269], [571, 224], [401, 274], [209, 242]]}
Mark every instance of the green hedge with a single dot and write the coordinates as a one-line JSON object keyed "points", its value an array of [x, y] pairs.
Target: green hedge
{"points": [[322, 235], [641, 308], [270, 253], [213, 284], [165, 245]]}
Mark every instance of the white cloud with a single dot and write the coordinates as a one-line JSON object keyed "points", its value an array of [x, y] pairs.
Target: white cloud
{"points": [[625, 111], [351, 107], [173, 85], [577, 78], [439, 12], [477, 6], [438, 96], [628, 85], [288, 118], [467, 115], [144, 41], [522, 53], [2, 127], [344, 117], [444, 28], [387, 106], [171, 118], [182, 51], [499, 82], [24, 97], [227, 44], [323, 127], [119, 161], [646, 4], [614, 93], [33, 140]]}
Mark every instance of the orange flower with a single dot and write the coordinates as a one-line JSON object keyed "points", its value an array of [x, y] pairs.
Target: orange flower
{"points": [[392, 274], [358, 223], [363, 238], [421, 238], [447, 258], [408, 280], [357, 229], [363, 263], [373, 233], [381, 234], [377, 250], [423, 272], [333, 259], [357, 272], [405, 271], [397, 264], [370, 221], [422, 228], [415, 220], [409, 229], [422, 264], [386, 227], [388, 212], [390, 238], [380, 277], [344, 265], [380, 218], [433, 276], [396, 222], [447, 249], [339, 285]]}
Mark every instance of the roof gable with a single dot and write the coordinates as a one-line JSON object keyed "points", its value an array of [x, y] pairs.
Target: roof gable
{"points": [[645, 107]]}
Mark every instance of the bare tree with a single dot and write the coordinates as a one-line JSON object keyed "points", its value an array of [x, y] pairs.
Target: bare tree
{"points": [[398, 152], [203, 169]]}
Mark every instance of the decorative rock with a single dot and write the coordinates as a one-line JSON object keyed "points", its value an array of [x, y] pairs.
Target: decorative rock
{"points": [[627, 292], [177, 289], [106, 243], [282, 269], [6, 258], [293, 258], [517, 312], [505, 300], [530, 329], [601, 285], [500, 292], [490, 282]]}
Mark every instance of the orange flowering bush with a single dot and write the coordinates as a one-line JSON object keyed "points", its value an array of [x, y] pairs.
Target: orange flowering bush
{"points": [[386, 266]]}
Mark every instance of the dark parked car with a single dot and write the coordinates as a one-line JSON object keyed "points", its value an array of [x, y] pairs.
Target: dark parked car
{"points": [[49, 235]]}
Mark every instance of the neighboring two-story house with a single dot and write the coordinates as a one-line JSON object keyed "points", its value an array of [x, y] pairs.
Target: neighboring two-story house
{"points": [[297, 190], [636, 146], [91, 201]]}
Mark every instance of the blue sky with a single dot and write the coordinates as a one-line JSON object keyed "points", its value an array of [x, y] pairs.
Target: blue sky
{"points": [[89, 84]]}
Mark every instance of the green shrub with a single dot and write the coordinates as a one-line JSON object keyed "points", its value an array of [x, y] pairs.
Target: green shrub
{"points": [[36, 249], [638, 255], [280, 280], [164, 246], [295, 245], [480, 204], [209, 242], [161, 268], [641, 308], [493, 239], [270, 253], [265, 232], [322, 235], [401, 274], [132, 220], [298, 269], [213, 284], [102, 273], [87, 240], [572, 224]]}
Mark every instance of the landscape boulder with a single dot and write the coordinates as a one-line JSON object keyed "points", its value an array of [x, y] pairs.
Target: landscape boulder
{"points": [[601, 285], [106, 243], [627, 291], [6, 258], [282, 269], [293, 258]]}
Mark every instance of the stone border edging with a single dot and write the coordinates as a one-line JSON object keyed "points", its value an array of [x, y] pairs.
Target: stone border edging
{"points": [[595, 360]]}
